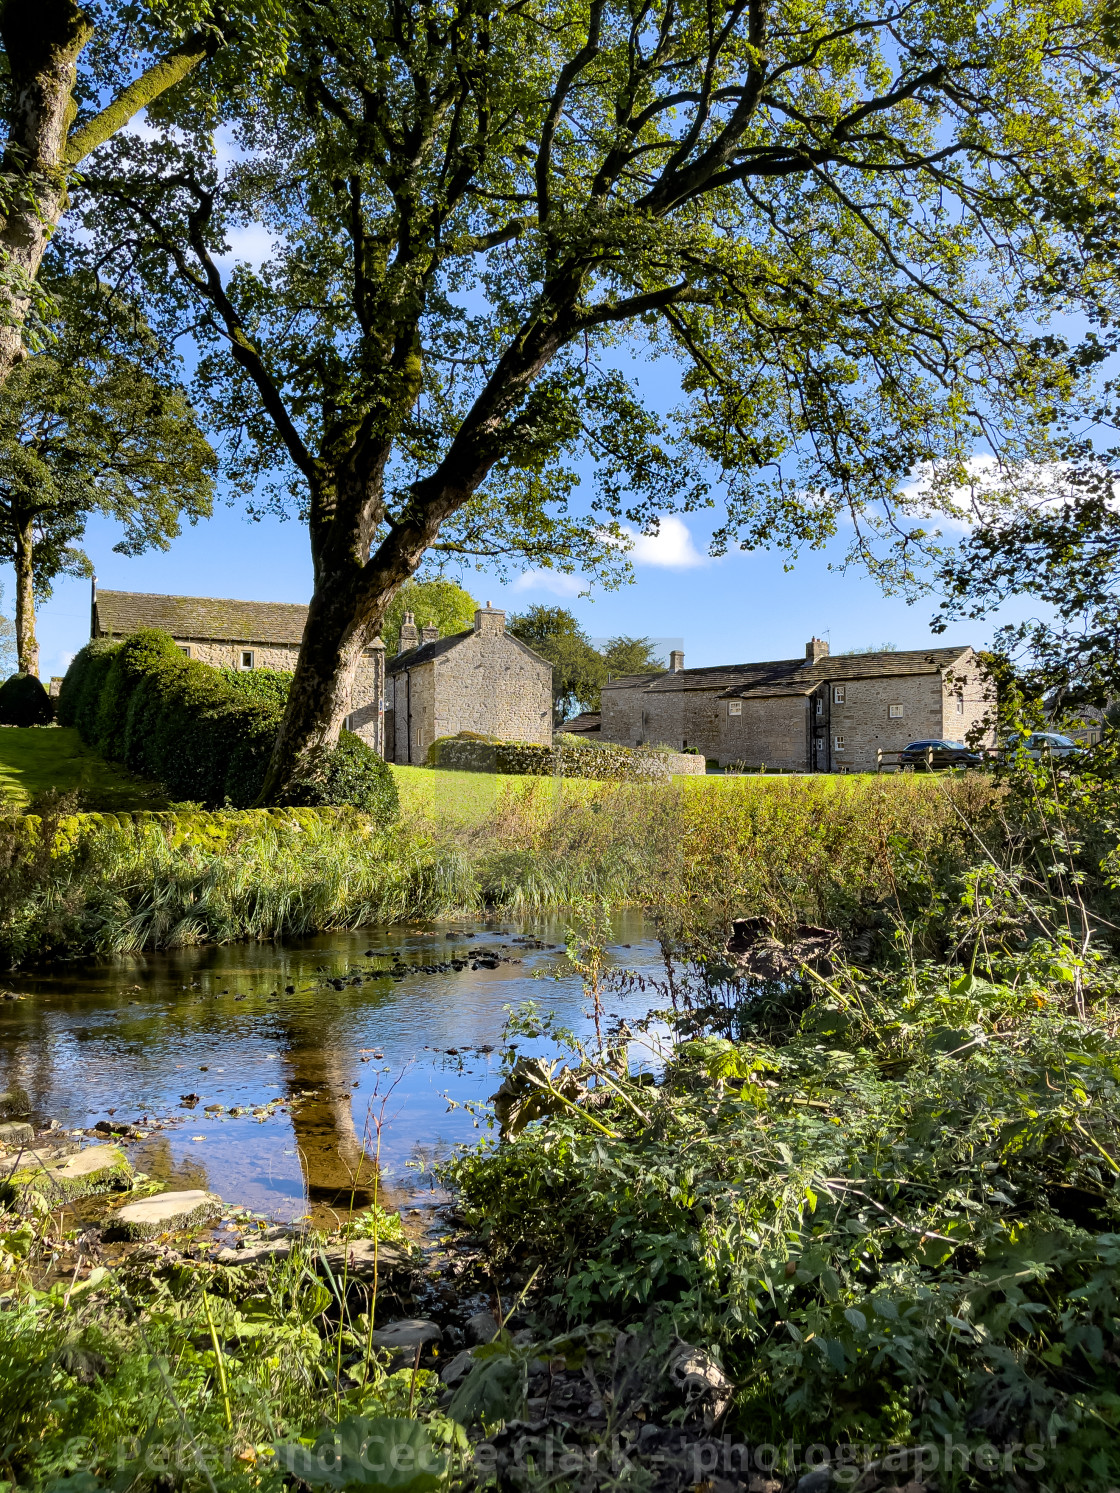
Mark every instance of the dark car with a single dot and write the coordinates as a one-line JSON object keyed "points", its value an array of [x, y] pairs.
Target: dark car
{"points": [[938, 754]]}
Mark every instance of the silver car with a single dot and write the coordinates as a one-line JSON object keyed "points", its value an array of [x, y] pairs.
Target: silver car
{"points": [[1045, 744]]}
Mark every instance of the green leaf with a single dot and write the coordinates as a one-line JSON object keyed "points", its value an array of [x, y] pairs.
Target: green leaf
{"points": [[384, 1451]]}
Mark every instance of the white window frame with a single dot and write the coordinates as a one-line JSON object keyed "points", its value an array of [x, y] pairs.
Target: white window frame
{"points": [[185, 649], [960, 702], [895, 712], [838, 694], [734, 707], [837, 743], [251, 655], [820, 704]]}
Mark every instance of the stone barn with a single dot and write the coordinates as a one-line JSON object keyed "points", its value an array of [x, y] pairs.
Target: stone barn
{"points": [[241, 635], [480, 680]]}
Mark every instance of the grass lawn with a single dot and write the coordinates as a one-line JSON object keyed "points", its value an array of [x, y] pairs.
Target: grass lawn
{"points": [[37, 758]]}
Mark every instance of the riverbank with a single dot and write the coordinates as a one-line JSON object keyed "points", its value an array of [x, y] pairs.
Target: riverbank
{"points": [[75, 885]]}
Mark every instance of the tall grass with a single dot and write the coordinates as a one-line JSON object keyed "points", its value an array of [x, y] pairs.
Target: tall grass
{"points": [[797, 849]]}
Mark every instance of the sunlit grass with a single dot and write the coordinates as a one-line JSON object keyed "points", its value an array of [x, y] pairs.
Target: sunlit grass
{"points": [[35, 759]]}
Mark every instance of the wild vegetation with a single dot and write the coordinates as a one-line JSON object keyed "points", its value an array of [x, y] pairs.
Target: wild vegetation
{"points": [[862, 1157]]}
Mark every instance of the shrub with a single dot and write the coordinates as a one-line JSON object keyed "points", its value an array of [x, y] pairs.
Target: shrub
{"points": [[353, 774], [24, 702], [144, 703]]}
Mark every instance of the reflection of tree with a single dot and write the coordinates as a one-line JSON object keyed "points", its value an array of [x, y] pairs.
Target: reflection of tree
{"points": [[334, 1160]]}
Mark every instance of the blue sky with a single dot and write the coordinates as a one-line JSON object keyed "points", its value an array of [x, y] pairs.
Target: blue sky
{"points": [[741, 607]]}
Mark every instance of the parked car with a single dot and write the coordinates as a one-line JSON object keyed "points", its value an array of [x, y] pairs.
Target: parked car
{"points": [[1044, 744], [938, 754]]}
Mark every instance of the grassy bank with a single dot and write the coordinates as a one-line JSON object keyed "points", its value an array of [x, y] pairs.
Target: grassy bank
{"points": [[44, 759], [817, 849]]}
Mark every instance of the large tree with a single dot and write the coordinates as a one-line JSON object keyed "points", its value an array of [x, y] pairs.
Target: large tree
{"points": [[822, 210], [97, 423]]}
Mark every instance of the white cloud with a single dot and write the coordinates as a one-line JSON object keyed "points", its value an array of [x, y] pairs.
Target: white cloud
{"points": [[671, 547], [252, 245], [548, 580]]}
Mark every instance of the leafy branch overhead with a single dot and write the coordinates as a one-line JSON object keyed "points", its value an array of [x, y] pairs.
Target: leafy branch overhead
{"points": [[826, 215]]}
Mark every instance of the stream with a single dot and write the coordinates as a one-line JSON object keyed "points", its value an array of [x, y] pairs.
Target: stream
{"points": [[316, 1036]]}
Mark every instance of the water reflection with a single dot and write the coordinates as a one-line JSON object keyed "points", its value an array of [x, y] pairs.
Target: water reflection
{"points": [[308, 1036]]}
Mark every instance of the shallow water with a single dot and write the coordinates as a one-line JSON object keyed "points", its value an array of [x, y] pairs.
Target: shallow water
{"points": [[258, 1025]]}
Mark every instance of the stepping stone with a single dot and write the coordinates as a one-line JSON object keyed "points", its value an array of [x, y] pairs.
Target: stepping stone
{"points": [[357, 1258], [16, 1133], [254, 1254], [163, 1214], [410, 1332], [85, 1173]]}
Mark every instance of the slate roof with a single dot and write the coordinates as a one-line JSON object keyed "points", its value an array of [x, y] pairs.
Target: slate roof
{"points": [[587, 721], [203, 618], [793, 676], [427, 651]]}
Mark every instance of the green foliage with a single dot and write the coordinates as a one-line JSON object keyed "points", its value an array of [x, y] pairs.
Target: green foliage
{"points": [[352, 774], [578, 671], [385, 1453], [626, 655], [25, 702], [435, 603], [263, 686], [179, 721]]}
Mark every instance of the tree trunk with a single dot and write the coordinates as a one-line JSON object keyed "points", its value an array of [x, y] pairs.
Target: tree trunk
{"points": [[319, 700], [27, 649], [43, 43]]}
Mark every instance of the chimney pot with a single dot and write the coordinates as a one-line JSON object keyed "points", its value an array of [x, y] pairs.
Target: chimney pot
{"points": [[815, 650], [676, 661], [410, 633]]}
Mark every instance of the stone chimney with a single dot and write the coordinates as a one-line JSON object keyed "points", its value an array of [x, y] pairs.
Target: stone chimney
{"points": [[815, 650], [490, 621], [676, 661], [410, 633], [430, 634]]}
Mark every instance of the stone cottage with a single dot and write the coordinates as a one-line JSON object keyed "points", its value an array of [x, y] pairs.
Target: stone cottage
{"points": [[811, 714], [480, 680], [241, 635]]}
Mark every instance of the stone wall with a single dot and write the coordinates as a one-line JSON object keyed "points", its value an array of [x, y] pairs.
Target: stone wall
{"points": [[677, 718], [771, 732], [969, 702]]}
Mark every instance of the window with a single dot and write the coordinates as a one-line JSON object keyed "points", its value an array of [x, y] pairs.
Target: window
{"points": [[820, 704], [895, 712], [838, 694], [185, 649], [838, 743], [960, 703], [734, 707], [419, 737], [247, 657]]}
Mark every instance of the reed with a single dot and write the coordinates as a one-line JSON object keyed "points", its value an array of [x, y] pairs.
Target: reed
{"points": [[800, 849]]}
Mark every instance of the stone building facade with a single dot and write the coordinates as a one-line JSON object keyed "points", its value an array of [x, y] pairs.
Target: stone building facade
{"points": [[241, 635], [811, 714], [480, 680]]}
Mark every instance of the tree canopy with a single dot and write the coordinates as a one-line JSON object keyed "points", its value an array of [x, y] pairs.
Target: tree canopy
{"points": [[433, 603], [579, 669], [97, 423], [831, 216]]}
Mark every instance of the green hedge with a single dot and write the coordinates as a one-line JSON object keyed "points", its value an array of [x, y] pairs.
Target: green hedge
{"points": [[144, 703], [472, 753]]}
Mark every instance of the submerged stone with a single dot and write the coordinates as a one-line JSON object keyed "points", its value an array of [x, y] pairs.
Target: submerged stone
{"points": [[163, 1214], [13, 1102]]}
